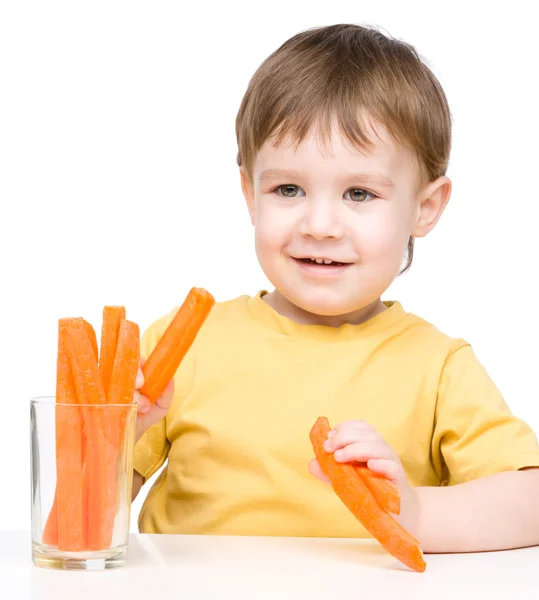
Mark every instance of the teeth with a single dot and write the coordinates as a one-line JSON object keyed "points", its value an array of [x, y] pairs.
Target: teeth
{"points": [[319, 261]]}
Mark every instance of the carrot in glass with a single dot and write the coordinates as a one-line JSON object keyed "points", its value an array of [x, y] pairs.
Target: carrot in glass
{"points": [[66, 527], [93, 337], [353, 492], [178, 337], [100, 456], [123, 378], [126, 364], [110, 328], [50, 531]]}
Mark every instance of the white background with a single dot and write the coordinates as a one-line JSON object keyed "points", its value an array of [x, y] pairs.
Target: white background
{"points": [[118, 182]]}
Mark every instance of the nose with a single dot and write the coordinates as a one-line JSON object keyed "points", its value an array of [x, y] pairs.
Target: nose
{"points": [[321, 219]]}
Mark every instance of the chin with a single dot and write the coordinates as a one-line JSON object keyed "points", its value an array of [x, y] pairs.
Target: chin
{"points": [[328, 304]]}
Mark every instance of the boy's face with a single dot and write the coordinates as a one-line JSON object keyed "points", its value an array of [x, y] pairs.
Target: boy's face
{"points": [[337, 204]]}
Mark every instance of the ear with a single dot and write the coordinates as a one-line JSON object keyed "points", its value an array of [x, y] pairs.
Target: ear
{"points": [[248, 193], [432, 204]]}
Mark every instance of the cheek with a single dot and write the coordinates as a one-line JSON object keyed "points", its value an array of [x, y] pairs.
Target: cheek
{"points": [[382, 237], [273, 227]]}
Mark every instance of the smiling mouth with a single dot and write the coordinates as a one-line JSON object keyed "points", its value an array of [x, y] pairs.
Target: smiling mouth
{"points": [[323, 262]]}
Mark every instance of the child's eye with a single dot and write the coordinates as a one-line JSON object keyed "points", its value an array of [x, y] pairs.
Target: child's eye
{"points": [[289, 190], [358, 195]]}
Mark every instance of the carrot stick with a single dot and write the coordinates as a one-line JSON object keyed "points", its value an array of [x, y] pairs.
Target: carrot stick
{"points": [[100, 455], [112, 317], [69, 490], [93, 338], [50, 532], [123, 379], [356, 496], [84, 365], [170, 350], [126, 364], [385, 492], [85, 489]]}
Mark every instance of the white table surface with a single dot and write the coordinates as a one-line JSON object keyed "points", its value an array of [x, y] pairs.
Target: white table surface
{"points": [[160, 567]]}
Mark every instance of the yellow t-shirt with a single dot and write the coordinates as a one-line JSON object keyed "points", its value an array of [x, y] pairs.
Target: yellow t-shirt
{"points": [[254, 382]]}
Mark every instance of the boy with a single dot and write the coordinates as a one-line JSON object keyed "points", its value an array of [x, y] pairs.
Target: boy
{"points": [[344, 140]]}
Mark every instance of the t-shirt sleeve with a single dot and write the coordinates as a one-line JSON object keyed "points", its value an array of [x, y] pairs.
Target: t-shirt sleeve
{"points": [[475, 432], [151, 451]]}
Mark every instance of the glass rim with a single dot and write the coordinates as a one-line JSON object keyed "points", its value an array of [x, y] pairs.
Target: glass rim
{"points": [[51, 401]]}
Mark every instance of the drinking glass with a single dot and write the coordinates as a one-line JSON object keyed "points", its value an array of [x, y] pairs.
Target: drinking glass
{"points": [[81, 483]]}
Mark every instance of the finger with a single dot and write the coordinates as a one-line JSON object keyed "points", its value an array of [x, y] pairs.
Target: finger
{"points": [[314, 469], [391, 469], [346, 437], [364, 451], [149, 419], [165, 400], [144, 405], [139, 382], [156, 412]]}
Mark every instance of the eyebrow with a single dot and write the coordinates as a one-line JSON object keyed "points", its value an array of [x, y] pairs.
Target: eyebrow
{"points": [[364, 178]]}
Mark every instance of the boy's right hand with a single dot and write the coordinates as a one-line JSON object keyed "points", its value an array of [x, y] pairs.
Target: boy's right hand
{"points": [[149, 414]]}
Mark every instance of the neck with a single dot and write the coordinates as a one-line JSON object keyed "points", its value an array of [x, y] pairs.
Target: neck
{"points": [[289, 310]]}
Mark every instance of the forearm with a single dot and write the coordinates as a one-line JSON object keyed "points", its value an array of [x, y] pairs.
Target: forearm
{"points": [[496, 512]]}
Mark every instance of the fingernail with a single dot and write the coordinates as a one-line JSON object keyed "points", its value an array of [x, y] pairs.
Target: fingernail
{"points": [[338, 454], [140, 380], [327, 446], [331, 433]]}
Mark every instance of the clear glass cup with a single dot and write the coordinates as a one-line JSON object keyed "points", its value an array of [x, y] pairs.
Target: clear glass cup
{"points": [[82, 479]]}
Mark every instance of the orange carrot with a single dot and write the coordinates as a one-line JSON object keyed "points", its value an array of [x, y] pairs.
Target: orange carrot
{"points": [[112, 317], [123, 379], [126, 364], [99, 453], [84, 365], [69, 488], [170, 350], [385, 492], [85, 489], [353, 492], [50, 531], [93, 338]]}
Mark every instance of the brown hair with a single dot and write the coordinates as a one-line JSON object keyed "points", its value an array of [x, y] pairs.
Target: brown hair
{"points": [[340, 71]]}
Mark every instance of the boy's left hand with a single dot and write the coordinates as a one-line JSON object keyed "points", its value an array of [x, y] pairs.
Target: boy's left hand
{"points": [[357, 441]]}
